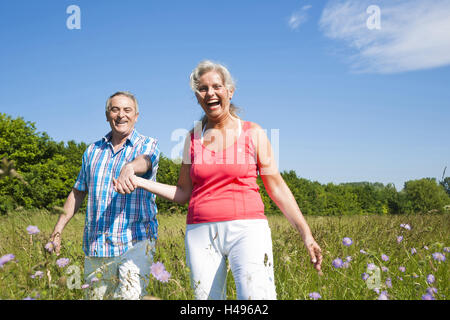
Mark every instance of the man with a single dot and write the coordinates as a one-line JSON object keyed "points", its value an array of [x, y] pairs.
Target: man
{"points": [[120, 230]]}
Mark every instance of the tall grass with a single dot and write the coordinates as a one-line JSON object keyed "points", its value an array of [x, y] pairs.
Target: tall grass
{"points": [[295, 278]]}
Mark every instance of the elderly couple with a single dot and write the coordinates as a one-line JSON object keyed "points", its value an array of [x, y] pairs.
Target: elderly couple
{"points": [[218, 174]]}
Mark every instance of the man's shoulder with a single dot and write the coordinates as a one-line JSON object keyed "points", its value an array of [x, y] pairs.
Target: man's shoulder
{"points": [[140, 138]]}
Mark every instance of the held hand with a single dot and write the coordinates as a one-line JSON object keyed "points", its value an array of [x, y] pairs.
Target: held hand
{"points": [[125, 183], [315, 254], [128, 188]]}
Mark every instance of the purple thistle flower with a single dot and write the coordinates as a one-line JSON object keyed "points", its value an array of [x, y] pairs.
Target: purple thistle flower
{"points": [[50, 246], [6, 258], [315, 295], [402, 269], [447, 249], [37, 274], [405, 226], [348, 259], [337, 263], [85, 286], [346, 265], [159, 272], [438, 256], [362, 251], [384, 257], [427, 297], [389, 282], [94, 279], [371, 266], [413, 251], [431, 290], [384, 269], [62, 262], [33, 230], [364, 276], [347, 241], [430, 279], [383, 296], [165, 276], [399, 239]]}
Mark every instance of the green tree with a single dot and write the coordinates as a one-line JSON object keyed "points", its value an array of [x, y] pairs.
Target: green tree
{"points": [[423, 195]]}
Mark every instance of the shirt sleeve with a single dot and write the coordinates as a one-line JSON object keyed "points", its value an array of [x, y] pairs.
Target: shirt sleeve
{"points": [[151, 148], [82, 182]]}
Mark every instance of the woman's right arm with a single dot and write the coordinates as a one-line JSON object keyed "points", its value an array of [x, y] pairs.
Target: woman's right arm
{"points": [[181, 193]]}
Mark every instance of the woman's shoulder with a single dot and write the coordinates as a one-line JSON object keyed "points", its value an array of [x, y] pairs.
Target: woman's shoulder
{"points": [[253, 125]]}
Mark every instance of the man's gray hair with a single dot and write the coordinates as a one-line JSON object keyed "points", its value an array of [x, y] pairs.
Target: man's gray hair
{"points": [[122, 93], [207, 66]]}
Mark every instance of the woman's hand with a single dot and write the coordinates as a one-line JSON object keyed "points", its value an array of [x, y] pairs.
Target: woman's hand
{"points": [[315, 253]]}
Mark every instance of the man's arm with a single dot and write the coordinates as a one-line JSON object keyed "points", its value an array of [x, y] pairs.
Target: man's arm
{"points": [[71, 206], [139, 166]]}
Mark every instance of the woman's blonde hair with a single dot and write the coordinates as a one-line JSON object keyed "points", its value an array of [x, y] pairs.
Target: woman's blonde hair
{"points": [[206, 66]]}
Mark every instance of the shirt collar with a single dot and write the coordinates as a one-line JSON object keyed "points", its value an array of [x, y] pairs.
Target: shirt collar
{"points": [[132, 138]]}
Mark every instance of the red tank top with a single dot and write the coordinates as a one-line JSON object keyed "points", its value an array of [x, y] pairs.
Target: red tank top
{"points": [[224, 183]]}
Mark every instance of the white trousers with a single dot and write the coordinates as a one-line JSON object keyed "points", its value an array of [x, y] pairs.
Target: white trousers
{"points": [[123, 277], [248, 246]]}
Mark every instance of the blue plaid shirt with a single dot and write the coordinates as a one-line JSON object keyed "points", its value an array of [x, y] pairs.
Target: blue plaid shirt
{"points": [[114, 222]]}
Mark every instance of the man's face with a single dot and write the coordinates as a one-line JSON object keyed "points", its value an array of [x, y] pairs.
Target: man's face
{"points": [[122, 115]]}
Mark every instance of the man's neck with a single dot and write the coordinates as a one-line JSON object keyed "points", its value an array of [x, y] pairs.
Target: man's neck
{"points": [[117, 140]]}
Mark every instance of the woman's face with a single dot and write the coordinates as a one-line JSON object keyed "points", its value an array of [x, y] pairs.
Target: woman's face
{"points": [[213, 95]]}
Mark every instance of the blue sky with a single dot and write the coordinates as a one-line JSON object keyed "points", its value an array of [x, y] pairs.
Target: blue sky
{"points": [[351, 103]]}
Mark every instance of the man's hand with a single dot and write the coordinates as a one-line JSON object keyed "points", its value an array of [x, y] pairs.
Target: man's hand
{"points": [[126, 183]]}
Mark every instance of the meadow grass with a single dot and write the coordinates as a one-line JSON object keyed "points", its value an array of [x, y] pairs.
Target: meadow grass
{"points": [[294, 276]]}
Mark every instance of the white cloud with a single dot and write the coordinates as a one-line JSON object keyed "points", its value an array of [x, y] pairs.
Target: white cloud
{"points": [[299, 17], [414, 34]]}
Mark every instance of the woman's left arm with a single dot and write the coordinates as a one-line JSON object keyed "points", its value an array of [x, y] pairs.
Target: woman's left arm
{"points": [[280, 193]]}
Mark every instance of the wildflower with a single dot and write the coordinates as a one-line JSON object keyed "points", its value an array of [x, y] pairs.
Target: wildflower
{"points": [[6, 258], [362, 251], [405, 226], [159, 272], [62, 262], [165, 276], [37, 274], [399, 239], [85, 286], [427, 297], [346, 265], [347, 241], [337, 263], [348, 259], [447, 249], [430, 279], [50, 246], [33, 229], [384, 269], [413, 251], [388, 282], [402, 269], [371, 266], [439, 256], [425, 247], [94, 279], [364, 276], [384, 257], [383, 296], [431, 290], [414, 275], [315, 295], [28, 298]]}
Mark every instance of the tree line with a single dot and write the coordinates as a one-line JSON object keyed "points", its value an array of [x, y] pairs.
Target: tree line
{"points": [[38, 172]]}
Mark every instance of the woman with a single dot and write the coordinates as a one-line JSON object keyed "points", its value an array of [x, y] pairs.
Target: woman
{"points": [[226, 215]]}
